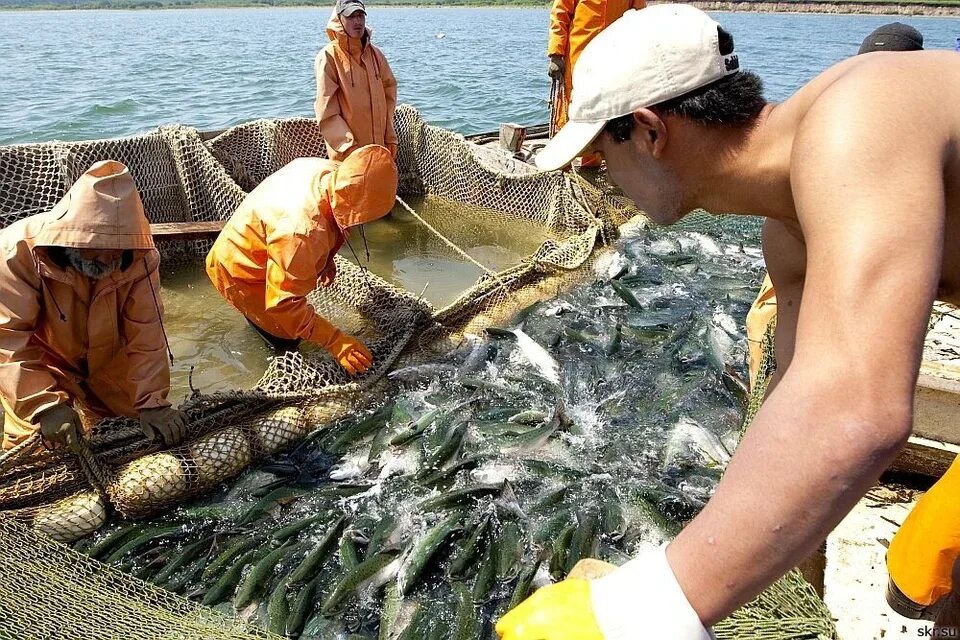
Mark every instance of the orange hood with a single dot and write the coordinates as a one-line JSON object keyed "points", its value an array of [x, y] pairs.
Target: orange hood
{"points": [[363, 188], [102, 210], [336, 33]]}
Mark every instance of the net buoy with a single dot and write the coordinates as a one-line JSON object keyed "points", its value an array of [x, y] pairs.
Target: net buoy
{"points": [[72, 517]]}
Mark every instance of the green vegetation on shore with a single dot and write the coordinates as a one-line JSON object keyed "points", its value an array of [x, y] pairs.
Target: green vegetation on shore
{"points": [[838, 6]]}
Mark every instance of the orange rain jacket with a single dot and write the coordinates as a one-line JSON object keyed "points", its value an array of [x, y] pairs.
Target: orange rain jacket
{"points": [[65, 336], [574, 23], [286, 232], [921, 555], [356, 93]]}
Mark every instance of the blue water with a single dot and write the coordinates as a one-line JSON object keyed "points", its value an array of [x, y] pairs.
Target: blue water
{"points": [[92, 74]]}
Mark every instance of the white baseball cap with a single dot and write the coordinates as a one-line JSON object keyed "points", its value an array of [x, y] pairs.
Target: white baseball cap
{"points": [[646, 57]]}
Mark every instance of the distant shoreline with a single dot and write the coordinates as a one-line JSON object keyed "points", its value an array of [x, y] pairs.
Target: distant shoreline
{"points": [[882, 7]]}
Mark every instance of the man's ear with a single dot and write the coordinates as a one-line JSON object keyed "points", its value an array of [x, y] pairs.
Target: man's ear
{"points": [[650, 132]]}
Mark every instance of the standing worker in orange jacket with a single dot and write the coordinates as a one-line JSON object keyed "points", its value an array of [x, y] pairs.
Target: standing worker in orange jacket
{"points": [[80, 320], [282, 240], [356, 90], [574, 23]]}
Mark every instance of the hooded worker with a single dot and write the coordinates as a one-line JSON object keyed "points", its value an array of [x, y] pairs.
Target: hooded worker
{"points": [[573, 24], [80, 319], [282, 239], [356, 90]]}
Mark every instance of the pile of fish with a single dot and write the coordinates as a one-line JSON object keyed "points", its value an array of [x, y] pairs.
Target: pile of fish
{"points": [[596, 423]]}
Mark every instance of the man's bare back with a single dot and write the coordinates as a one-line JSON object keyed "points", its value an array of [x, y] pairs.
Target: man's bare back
{"points": [[911, 94]]}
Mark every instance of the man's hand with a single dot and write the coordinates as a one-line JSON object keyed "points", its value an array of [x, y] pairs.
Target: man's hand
{"points": [[350, 353], [556, 67], [164, 423], [60, 426], [329, 274], [640, 599]]}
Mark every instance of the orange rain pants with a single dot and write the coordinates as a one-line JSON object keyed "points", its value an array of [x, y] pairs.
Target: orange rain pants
{"points": [[573, 24], [921, 555]]}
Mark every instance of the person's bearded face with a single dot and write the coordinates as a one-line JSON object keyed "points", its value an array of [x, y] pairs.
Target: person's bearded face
{"points": [[94, 264]]}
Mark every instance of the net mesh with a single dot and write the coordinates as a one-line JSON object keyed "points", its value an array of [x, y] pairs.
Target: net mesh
{"points": [[49, 592]]}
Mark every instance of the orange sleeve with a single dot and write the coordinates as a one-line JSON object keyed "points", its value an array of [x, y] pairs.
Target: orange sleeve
{"points": [[146, 347], [291, 275], [390, 91], [27, 384], [560, 17], [638, 4], [336, 132]]}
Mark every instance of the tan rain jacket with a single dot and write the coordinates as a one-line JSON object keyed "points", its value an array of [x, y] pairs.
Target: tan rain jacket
{"points": [[356, 93], [64, 335]]}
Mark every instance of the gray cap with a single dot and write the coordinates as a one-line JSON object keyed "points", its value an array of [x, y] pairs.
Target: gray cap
{"points": [[349, 7]]}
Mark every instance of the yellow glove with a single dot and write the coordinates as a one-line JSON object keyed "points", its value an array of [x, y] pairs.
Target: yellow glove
{"points": [[349, 352], [639, 600], [561, 611]]}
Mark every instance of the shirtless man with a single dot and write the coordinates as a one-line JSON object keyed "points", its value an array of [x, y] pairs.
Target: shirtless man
{"points": [[857, 175]]}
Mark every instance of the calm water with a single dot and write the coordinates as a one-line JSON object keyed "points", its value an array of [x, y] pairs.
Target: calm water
{"points": [[210, 337], [95, 74]]}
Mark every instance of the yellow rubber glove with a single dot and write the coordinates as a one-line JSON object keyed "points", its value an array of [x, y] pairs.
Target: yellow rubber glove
{"points": [[352, 355], [561, 611]]}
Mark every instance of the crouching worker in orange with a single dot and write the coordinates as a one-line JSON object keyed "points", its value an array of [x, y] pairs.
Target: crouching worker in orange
{"points": [[282, 239], [80, 320]]}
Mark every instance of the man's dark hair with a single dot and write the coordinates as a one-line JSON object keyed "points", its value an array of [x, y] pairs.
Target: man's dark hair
{"points": [[735, 100]]}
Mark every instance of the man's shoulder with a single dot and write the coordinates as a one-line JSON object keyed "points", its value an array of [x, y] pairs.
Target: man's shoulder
{"points": [[882, 84]]}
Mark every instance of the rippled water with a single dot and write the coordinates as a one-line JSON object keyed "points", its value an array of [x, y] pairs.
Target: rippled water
{"points": [[94, 74]]}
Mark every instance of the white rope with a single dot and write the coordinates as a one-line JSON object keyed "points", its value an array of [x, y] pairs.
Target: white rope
{"points": [[450, 243]]}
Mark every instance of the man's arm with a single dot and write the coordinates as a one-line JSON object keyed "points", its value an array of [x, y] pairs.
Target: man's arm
{"points": [[390, 92], [146, 347], [336, 132], [560, 17], [871, 209], [25, 381]]}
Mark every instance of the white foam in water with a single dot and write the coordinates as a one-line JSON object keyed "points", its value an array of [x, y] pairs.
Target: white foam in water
{"points": [[538, 357]]}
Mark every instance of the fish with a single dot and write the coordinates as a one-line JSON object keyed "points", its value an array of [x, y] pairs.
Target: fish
{"points": [[421, 372], [610, 265], [256, 581], [421, 552], [310, 565], [350, 468], [689, 439], [355, 579]]}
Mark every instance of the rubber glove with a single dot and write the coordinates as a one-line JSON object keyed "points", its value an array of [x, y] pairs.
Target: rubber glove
{"points": [[556, 67], [352, 355], [60, 426], [164, 423], [329, 274], [640, 600]]}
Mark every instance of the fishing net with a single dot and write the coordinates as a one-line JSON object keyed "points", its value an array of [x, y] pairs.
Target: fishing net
{"points": [[184, 178]]}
